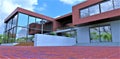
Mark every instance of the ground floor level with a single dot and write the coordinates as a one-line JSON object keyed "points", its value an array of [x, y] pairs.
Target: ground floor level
{"points": [[73, 52], [107, 32], [94, 34]]}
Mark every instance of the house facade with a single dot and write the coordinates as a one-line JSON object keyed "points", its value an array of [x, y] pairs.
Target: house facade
{"points": [[92, 21], [98, 21]]}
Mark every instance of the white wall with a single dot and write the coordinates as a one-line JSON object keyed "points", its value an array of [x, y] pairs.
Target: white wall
{"points": [[83, 35], [115, 28], [50, 40]]}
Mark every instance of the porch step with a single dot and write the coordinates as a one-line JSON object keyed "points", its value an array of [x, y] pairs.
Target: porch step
{"points": [[25, 44]]}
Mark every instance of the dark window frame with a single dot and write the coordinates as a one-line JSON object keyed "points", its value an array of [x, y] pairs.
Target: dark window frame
{"points": [[99, 32]]}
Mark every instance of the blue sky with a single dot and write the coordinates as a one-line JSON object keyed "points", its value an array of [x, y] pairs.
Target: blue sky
{"points": [[51, 8]]}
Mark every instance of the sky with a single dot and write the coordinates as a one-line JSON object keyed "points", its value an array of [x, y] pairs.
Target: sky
{"points": [[51, 8]]}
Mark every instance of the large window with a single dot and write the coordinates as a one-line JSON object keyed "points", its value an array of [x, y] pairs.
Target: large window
{"points": [[100, 8], [31, 20], [117, 4], [21, 35], [14, 21], [94, 10], [100, 34], [107, 6], [22, 28], [23, 20], [84, 13]]}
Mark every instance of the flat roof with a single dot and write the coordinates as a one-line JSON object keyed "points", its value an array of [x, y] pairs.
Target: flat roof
{"points": [[63, 16], [21, 10]]}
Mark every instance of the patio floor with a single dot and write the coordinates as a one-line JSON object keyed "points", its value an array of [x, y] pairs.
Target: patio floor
{"points": [[74, 52]]}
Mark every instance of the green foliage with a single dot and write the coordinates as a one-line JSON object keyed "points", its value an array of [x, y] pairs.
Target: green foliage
{"points": [[67, 35], [106, 36], [23, 39], [95, 36], [1, 38], [52, 33]]}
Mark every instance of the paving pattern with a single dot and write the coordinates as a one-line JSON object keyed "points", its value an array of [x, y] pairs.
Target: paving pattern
{"points": [[73, 52]]}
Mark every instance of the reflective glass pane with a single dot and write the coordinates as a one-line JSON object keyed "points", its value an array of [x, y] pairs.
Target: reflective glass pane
{"points": [[31, 21], [106, 6], [94, 10], [117, 4], [21, 35], [14, 21], [9, 24], [22, 20], [11, 39], [105, 33], [84, 13], [38, 20], [94, 34], [30, 38]]}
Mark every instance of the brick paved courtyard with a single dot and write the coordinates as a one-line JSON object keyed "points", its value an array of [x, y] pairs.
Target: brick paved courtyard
{"points": [[75, 52]]}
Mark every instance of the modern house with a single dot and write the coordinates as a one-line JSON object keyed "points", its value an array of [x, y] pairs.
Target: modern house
{"points": [[91, 22], [23, 24]]}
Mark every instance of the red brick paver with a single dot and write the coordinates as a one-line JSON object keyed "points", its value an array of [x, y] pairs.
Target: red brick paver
{"points": [[74, 52]]}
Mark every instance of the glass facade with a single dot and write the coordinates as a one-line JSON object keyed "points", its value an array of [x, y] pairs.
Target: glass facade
{"points": [[100, 34], [100, 8], [22, 27]]}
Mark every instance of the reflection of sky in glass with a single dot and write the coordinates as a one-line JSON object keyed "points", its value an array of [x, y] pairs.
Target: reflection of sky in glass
{"points": [[117, 3], [31, 19], [21, 32], [94, 10], [106, 6], [22, 20], [38, 20], [84, 13]]}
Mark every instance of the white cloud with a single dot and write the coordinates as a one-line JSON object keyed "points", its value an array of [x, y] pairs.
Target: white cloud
{"points": [[72, 2], [42, 7], [7, 6]]}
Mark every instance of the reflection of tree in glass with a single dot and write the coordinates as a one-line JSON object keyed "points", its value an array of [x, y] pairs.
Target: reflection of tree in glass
{"points": [[94, 36], [106, 36]]}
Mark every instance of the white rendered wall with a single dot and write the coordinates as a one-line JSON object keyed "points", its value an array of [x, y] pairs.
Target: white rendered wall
{"points": [[50, 40], [115, 28], [83, 35]]}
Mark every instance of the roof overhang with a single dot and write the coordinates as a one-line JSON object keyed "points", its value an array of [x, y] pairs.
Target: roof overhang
{"points": [[64, 16], [21, 10]]}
